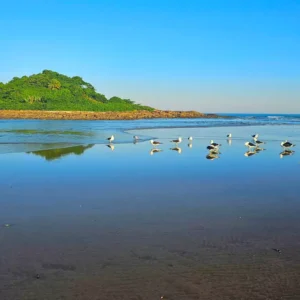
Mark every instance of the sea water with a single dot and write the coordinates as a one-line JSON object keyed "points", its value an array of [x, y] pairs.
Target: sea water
{"points": [[126, 222]]}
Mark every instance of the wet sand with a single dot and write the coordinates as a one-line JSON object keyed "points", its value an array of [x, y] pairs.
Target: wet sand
{"points": [[122, 224]]}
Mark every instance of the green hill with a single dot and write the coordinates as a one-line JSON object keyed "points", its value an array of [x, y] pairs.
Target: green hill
{"points": [[53, 91]]}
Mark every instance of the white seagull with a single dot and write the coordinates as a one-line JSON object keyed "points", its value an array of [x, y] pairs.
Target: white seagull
{"points": [[287, 144], [177, 141], [258, 142], [111, 139], [250, 145], [135, 139], [229, 136], [255, 136], [155, 143], [190, 138]]}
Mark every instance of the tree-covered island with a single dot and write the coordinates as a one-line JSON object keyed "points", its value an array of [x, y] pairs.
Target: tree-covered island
{"points": [[52, 91]]}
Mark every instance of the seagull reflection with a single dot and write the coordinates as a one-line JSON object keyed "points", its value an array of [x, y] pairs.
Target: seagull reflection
{"points": [[250, 153], [254, 151], [111, 147], [212, 156], [215, 152], [286, 153], [258, 149], [177, 149], [155, 150], [229, 142], [190, 145]]}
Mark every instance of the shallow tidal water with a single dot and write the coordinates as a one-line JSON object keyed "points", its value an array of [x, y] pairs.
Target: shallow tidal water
{"points": [[132, 224]]}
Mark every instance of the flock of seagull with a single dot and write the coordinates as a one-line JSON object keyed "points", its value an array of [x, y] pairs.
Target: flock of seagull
{"points": [[214, 148]]}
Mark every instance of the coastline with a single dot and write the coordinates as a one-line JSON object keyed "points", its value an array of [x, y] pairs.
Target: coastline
{"points": [[109, 115]]}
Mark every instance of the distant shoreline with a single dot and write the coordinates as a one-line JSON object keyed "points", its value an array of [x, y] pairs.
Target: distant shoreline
{"points": [[109, 115]]}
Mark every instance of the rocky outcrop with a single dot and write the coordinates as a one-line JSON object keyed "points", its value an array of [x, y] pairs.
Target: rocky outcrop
{"points": [[89, 115]]}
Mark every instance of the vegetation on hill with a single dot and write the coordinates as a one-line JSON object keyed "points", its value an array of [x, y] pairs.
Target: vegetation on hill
{"points": [[53, 91]]}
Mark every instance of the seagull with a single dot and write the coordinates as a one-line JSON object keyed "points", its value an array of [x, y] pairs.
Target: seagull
{"points": [[111, 139], [250, 145], [155, 143], [229, 136], [287, 144], [215, 144], [190, 138], [112, 147], [258, 142], [255, 136], [286, 153], [155, 151], [135, 139], [178, 149], [178, 141]]}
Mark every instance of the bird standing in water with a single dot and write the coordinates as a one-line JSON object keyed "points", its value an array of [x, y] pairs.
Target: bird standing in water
{"points": [[177, 141], [155, 143], [111, 139]]}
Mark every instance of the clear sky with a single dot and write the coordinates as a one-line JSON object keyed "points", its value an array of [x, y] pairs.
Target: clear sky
{"points": [[210, 56]]}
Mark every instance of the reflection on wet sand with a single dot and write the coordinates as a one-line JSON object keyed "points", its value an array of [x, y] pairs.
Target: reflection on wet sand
{"points": [[111, 147], [153, 151], [212, 156], [253, 152], [177, 149], [58, 153], [286, 153], [257, 150], [250, 153]]}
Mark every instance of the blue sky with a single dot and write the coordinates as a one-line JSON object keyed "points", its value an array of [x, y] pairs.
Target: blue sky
{"points": [[211, 56]]}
